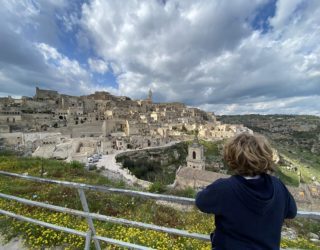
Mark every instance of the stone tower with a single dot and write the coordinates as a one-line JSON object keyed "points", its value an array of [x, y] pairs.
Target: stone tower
{"points": [[196, 157]]}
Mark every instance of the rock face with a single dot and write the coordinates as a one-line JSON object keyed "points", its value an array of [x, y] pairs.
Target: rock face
{"points": [[293, 130], [71, 149], [162, 155], [151, 164], [62, 151]]}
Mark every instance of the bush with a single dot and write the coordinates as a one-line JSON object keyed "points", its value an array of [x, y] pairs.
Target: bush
{"points": [[76, 164], [127, 163], [189, 192], [158, 187], [6, 152]]}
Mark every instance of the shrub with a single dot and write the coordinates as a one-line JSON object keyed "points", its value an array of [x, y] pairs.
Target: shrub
{"points": [[158, 187], [76, 164]]}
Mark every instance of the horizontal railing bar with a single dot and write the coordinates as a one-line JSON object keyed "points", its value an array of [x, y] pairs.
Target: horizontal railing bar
{"points": [[72, 231], [108, 218], [171, 198], [308, 215]]}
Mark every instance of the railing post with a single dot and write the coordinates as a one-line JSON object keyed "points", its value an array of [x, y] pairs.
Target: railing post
{"points": [[88, 239], [89, 219]]}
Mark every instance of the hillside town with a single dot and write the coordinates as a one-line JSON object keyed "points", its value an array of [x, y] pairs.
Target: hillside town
{"points": [[54, 125]]}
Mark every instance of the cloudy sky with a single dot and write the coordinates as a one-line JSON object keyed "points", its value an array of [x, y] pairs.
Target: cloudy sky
{"points": [[229, 57]]}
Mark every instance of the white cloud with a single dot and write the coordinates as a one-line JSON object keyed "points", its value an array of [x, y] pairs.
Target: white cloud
{"points": [[285, 11], [29, 54], [48, 52], [115, 68], [70, 73], [98, 65], [291, 105], [63, 65], [206, 52]]}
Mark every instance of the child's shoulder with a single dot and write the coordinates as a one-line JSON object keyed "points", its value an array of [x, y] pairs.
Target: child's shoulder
{"points": [[277, 181], [222, 182]]}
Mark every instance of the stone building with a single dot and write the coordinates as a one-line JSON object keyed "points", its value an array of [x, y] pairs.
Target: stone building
{"points": [[196, 159], [10, 116], [194, 174], [104, 116], [46, 94]]}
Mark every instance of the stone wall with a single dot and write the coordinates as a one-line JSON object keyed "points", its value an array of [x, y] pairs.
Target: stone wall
{"points": [[195, 178], [32, 137], [90, 130], [9, 118], [4, 129], [306, 196], [12, 138]]}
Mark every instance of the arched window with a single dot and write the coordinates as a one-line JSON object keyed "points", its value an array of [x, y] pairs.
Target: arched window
{"points": [[194, 155]]}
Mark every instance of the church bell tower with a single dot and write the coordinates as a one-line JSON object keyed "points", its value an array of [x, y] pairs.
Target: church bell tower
{"points": [[196, 159]]}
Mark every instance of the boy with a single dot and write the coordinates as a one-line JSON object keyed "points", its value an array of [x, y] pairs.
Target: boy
{"points": [[251, 205]]}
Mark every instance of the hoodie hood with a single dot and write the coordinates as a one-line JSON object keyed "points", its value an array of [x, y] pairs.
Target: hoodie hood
{"points": [[256, 194]]}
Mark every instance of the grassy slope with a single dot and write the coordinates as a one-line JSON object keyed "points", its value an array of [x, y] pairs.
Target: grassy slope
{"points": [[114, 205]]}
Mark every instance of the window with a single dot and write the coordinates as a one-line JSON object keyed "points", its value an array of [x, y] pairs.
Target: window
{"points": [[194, 155]]}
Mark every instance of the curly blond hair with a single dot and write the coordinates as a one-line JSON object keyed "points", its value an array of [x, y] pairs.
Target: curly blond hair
{"points": [[249, 155]]}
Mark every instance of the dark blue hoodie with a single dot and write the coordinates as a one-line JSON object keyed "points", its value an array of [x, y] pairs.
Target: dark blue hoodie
{"points": [[248, 213]]}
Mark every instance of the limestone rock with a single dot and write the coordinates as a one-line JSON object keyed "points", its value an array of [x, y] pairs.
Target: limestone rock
{"points": [[313, 236], [315, 240], [62, 151], [176, 154], [289, 233]]}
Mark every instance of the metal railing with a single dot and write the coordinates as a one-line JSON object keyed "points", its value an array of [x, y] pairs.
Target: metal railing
{"points": [[91, 234]]}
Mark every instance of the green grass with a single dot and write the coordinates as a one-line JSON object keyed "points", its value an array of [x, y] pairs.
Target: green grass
{"points": [[288, 177], [212, 150], [305, 162]]}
